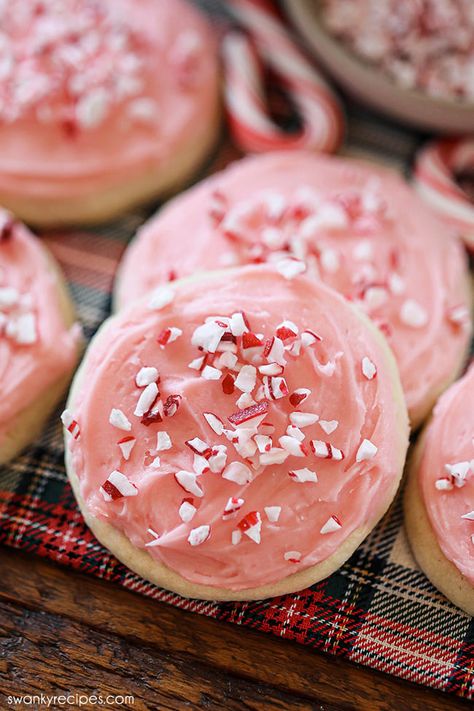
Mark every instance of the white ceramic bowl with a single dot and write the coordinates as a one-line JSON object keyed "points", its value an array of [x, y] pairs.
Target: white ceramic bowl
{"points": [[374, 87]]}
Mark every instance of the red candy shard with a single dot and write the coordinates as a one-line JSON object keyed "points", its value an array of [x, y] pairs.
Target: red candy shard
{"points": [[285, 333], [268, 346], [250, 340], [237, 418], [171, 405], [198, 446], [228, 384], [251, 519]]}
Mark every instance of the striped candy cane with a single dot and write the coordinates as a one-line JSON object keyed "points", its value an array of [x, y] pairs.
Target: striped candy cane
{"points": [[434, 177], [249, 119]]}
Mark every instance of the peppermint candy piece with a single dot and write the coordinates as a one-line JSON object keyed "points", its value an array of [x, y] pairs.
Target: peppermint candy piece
{"points": [[116, 486]]}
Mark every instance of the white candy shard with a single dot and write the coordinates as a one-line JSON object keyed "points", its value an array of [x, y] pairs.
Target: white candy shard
{"points": [[119, 420], [413, 314], [276, 455], [329, 425], [272, 513], [292, 556], [290, 268], [367, 450], [163, 441], [295, 432], [211, 373], [246, 379], [369, 369], [236, 537], [238, 473], [146, 399], [303, 475], [303, 419], [188, 481], [331, 525], [187, 511], [161, 297], [199, 535], [145, 376], [444, 484], [214, 422], [208, 336], [237, 324], [292, 445]]}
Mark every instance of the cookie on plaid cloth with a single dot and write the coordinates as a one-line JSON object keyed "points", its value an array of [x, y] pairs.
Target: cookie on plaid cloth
{"points": [[358, 226], [39, 342], [439, 498], [237, 434], [103, 105]]}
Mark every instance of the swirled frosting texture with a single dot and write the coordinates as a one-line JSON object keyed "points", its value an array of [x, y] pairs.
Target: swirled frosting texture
{"points": [[316, 517], [91, 91], [360, 228], [36, 347], [446, 474]]}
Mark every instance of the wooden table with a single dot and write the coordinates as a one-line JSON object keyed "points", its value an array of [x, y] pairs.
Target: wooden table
{"points": [[62, 632]]}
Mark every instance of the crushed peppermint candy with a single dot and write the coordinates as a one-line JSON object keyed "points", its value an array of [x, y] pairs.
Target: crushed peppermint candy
{"points": [[72, 63], [302, 476], [126, 445], [116, 486], [325, 450], [413, 314], [331, 526], [187, 510], [119, 420], [369, 369], [163, 441], [272, 513], [232, 507], [199, 535], [146, 376], [367, 450], [70, 424], [188, 482], [329, 426], [146, 399], [251, 526], [161, 297], [292, 556]]}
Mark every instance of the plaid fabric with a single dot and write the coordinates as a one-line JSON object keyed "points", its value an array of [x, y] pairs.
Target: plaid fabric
{"points": [[378, 609]]}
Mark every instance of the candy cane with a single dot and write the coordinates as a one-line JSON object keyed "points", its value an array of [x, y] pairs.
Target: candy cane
{"points": [[249, 120], [434, 177]]}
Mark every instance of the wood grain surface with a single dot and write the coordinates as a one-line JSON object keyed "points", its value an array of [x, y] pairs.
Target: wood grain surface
{"points": [[62, 632]]}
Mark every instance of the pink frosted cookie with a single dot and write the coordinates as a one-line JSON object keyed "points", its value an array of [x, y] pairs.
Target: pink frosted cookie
{"points": [[359, 227], [39, 343], [439, 501], [236, 435], [103, 104]]}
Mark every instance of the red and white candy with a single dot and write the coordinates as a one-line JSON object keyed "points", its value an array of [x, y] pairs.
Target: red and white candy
{"points": [[251, 125], [435, 172]]}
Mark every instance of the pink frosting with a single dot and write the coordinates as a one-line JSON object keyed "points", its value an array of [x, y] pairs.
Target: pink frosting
{"points": [[92, 92], [36, 348], [360, 228], [356, 411], [446, 474]]}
